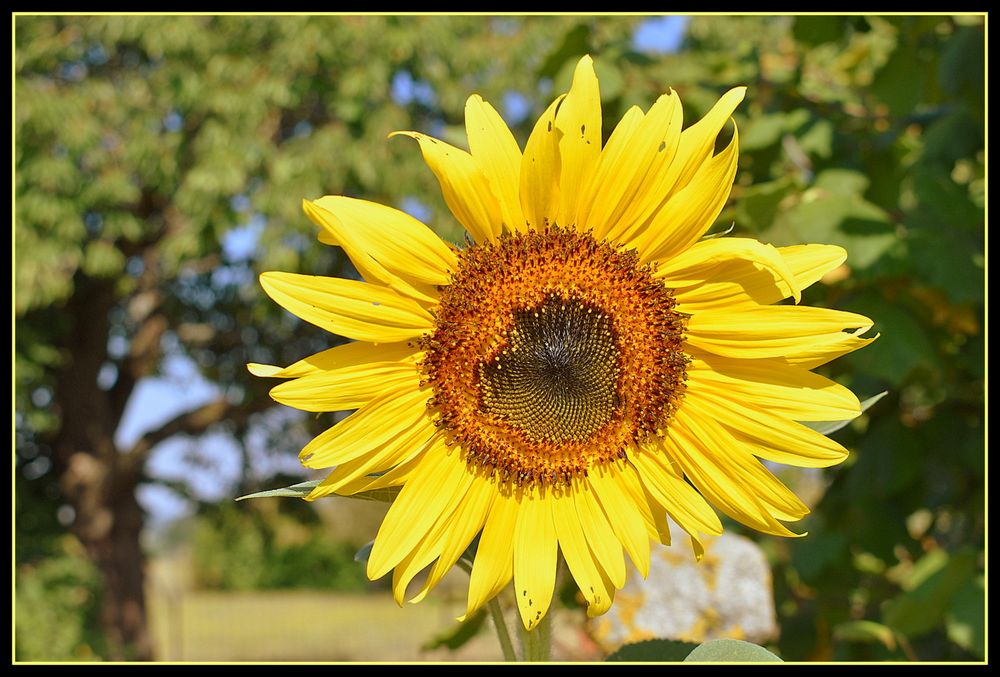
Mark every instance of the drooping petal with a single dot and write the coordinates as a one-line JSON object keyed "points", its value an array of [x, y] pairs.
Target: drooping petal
{"points": [[601, 537], [704, 453], [386, 417], [350, 308], [442, 476], [495, 149], [463, 185], [425, 552], [640, 500], [470, 517], [666, 484], [691, 266], [740, 282], [625, 520], [402, 244]]}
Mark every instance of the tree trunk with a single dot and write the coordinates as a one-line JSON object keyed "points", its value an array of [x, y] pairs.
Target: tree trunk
{"points": [[98, 481], [122, 564]]}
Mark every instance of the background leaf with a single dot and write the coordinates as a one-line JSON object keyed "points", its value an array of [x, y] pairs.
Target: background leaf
{"points": [[731, 651], [653, 650]]}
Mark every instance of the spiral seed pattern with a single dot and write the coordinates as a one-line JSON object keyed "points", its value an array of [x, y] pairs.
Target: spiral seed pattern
{"points": [[557, 377]]}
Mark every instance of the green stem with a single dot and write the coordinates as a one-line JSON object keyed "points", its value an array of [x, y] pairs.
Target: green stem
{"points": [[496, 613], [538, 642], [501, 627]]}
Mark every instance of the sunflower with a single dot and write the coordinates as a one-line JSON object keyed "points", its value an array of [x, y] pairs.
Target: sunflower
{"points": [[587, 366]]}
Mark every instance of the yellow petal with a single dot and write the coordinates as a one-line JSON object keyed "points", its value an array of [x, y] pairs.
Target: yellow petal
{"points": [[415, 441], [469, 519], [420, 557], [401, 243], [579, 557], [622, 513], [693, 265], [386, 417], [345, 388], [770, 436], [812, 355], [440, 477], [534, 557], [745, 282], [685, 217], [601, 537], [609, 184], [658, 180], [705, 454], [463, 185], [350, 308], [778, 498], [343, 356], [639, 499], [775, 385], [688, 508], [658, 511], [540, 169], [493, 566], [579, 120], [698, 141], [350, 239], [633, 189], [770, 331], [495, 149], [394, 477]]}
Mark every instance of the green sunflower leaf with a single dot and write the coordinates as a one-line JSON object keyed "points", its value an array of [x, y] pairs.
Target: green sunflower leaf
{"points": [[731, 651], [455, 638], [364, 552], [302, 489], [652, 650], [827, 427]]}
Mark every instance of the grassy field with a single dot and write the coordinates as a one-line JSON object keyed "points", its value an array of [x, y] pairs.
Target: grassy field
{"points": [[304, 626]]}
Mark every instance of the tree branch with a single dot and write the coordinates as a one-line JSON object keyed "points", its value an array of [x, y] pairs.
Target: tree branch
{"points": [[192, 422]]}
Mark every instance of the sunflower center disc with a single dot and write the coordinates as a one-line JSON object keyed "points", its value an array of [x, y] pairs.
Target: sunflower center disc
{"points": [[552, 353], [556, 379]]}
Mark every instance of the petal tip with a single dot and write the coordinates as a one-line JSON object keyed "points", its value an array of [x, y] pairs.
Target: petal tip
{"points": [[264, 370], [412, 135]]}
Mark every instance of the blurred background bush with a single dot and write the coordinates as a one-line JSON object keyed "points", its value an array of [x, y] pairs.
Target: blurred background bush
{"points": [[160, 164]]}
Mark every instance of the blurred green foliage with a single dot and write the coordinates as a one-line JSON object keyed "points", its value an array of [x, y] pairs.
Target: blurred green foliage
{"points": [[56, 599], [271, 545], [166, 134]]}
